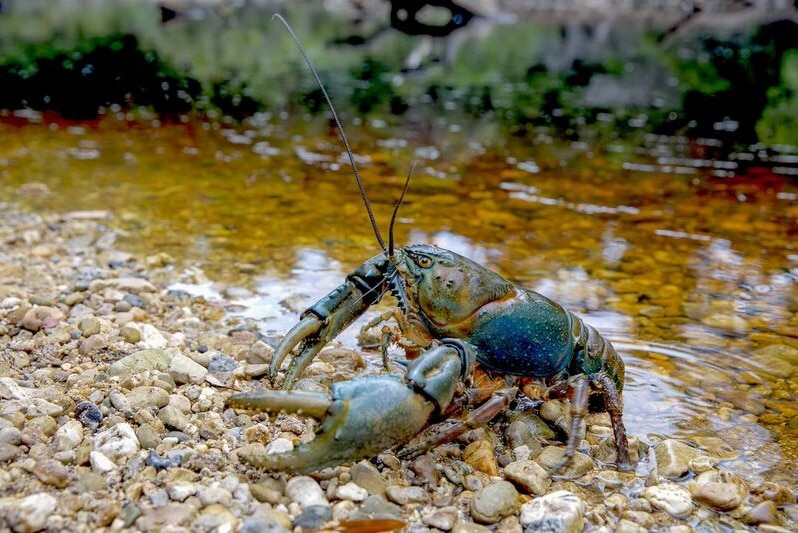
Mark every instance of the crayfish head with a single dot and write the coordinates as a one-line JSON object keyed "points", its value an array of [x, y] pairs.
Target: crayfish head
{"points": [[443, 288]]}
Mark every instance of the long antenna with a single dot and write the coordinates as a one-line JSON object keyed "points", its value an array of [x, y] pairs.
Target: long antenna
{"points": [[397, 206], [340, 130]]}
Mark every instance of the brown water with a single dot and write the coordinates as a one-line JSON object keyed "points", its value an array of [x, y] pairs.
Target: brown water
{"points": [[691, 269]]}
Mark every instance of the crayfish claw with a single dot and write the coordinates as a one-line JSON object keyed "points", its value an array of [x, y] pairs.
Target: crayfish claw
{"points": [[360, 418], [308, 326]]}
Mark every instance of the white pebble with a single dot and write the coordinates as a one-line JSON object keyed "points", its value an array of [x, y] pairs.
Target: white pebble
{"points": [[100, 463], [670, 498], [560, 511], [279, 445], [29, 513], [117, 442], [68, 436], [305, 491], [351, 491]]}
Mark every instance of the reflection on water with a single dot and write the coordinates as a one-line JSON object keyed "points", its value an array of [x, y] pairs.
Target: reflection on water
{"points": [[694, 276]]}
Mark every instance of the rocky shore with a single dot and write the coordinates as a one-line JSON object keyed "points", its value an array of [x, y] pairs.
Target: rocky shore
{"points": [[113, 416]]}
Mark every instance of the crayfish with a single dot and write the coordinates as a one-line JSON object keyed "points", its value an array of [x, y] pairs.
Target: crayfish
{"points": [[461, 315]]}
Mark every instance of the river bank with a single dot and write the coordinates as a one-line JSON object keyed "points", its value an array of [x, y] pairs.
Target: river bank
{"points": [[113, 416]]}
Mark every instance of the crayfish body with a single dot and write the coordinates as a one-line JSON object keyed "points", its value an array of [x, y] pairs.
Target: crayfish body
{"points": [[448, 301]]}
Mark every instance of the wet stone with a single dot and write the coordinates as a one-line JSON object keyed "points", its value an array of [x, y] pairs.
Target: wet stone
{"points": [[351, 491], [519, 434], [425, 470], [262, 524], [529, 476], [553, 456], [494, 502], [376, 506], [673, 458], [718, 495], [480, 456], [670, 498], [560, 511], [765, 512], [768, 490]]}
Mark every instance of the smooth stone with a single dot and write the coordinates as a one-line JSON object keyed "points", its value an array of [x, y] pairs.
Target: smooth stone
{"points": [[180, 490], [351, 491], [673, 458], [174, 418], [89, 326], [313, 518], [9, 452], [262, 524], [558, 512], [152, 359], [68, 436], [367, 476], [718, 495], [130, 334], [215, 494], [627, 526], [375, 507], [442, 519], [148, 437], [186, 370], [151, 337], [469, 527], [406, 495], [94, 344], [494, 502], [519, 434], [100, 464], [726, 322], [670, 498], [553, 456], [305, 491], [426, 470], [88, 481], [51, 472], [147, 396], [529, 476], [10, 435], [117, 442], [480, 456], [29, 513]]}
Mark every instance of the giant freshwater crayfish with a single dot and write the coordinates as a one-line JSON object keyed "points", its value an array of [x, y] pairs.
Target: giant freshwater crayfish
{"points": [[461, 315]]}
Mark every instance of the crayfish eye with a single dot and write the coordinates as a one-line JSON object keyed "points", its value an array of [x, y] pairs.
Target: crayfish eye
{"points": [[423, 261]]}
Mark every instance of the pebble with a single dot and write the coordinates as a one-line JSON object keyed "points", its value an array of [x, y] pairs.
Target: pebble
{"points": [[442, 519], [560, 511], [673, 458], [172, 417], [553, 456], [305, 491], [118, 442], [150, 359], [765, 512], [52, 472], [494, 502], [130, 334], [670, 498], [406, 495], [376, 506], [262, 524], [29, 513], [368, 477], [313, 517], [528, 476], [718, 495], [100, 463], [89, 415], [480, 456], [147, 396], [351, 491], [185, 370], [68, 436]]}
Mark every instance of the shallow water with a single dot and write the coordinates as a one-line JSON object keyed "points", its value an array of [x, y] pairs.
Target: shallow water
{"points": [[687, 263]]}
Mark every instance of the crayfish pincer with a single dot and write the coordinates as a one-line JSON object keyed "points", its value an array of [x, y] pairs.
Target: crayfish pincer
{"points": [[457, 314]]}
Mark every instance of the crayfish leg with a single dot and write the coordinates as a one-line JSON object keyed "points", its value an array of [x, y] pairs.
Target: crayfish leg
{"points": [[578, 389], [498, 402]]}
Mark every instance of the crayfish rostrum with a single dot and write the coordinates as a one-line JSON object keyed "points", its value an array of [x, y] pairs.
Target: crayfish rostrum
{"points": [[461, 315]]}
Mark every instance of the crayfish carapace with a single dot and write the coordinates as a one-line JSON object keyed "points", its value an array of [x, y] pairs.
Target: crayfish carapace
{"points": [[466, 315]]}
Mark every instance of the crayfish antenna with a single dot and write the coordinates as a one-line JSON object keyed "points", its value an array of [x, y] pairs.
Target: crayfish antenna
{"points": [[397, 206], [340, 128]]}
